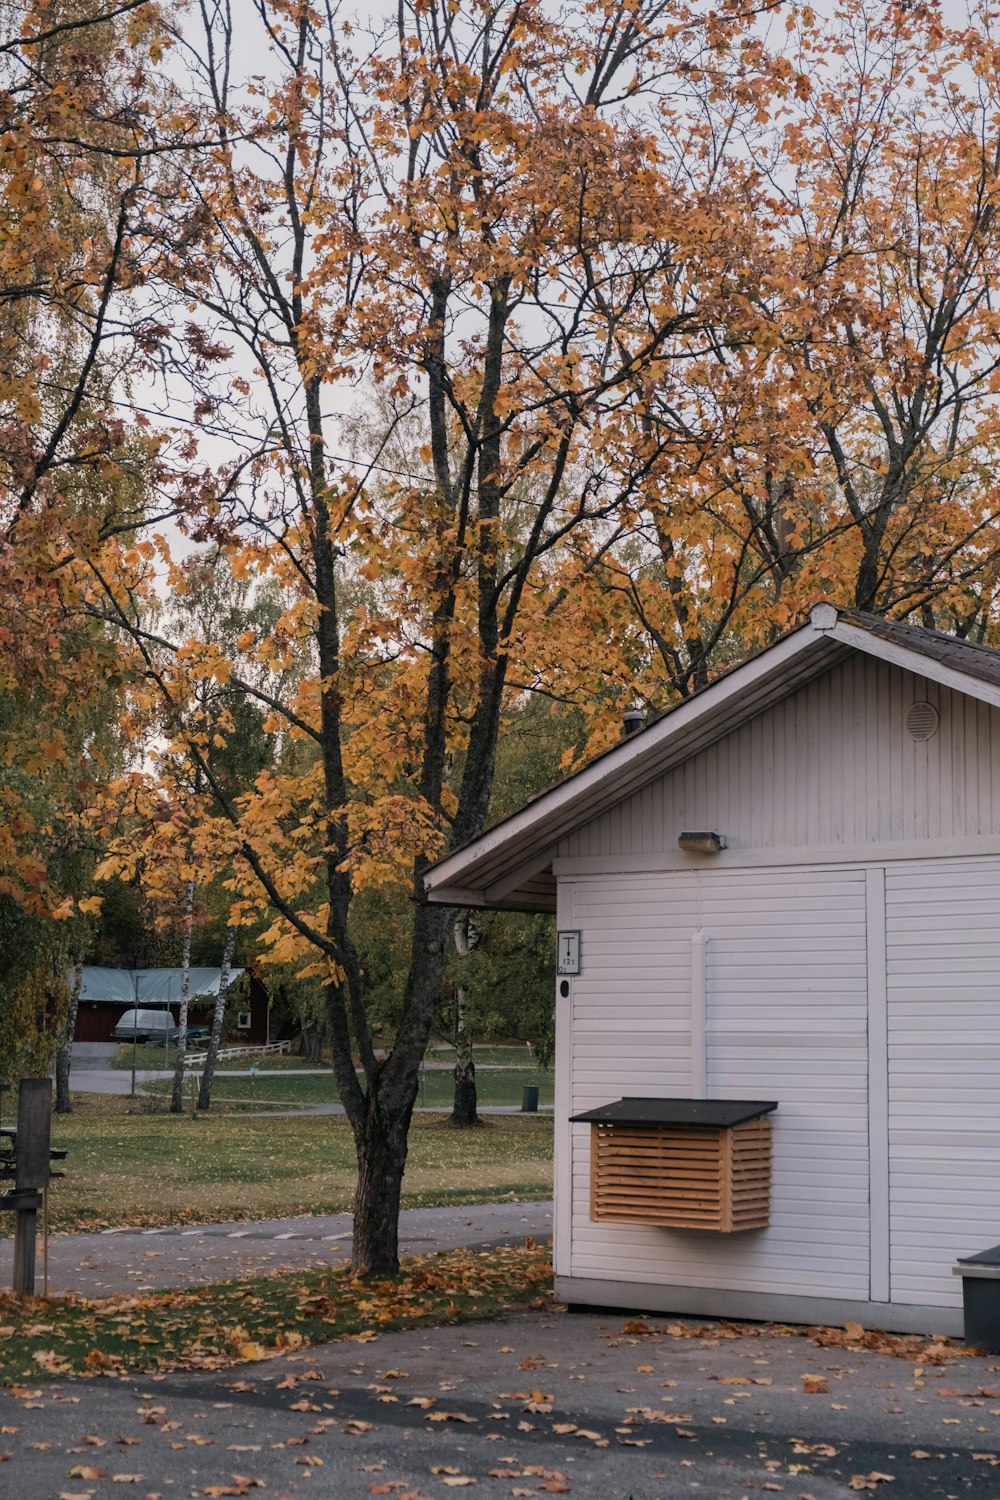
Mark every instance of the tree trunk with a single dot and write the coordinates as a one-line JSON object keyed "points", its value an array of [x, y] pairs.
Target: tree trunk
{"points": [[380, 1120], [212, 1051], [176, 1095], [313, 1038], [381, 1154], [64, 1057], [463, 1110]]}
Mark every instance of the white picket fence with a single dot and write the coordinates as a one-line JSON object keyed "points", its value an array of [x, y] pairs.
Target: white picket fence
{"points": [[194, 1061]]}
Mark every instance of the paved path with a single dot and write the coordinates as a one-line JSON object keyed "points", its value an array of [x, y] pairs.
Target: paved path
{"points": [[98, 1265], [93, 1074], [539, 1404]]}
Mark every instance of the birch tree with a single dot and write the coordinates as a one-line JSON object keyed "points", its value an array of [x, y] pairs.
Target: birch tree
{"points": [[218, 1017]]}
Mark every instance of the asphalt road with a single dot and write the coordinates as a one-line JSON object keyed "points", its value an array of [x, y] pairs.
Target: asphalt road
{"points": [[539, 1404], [98, 1265]]}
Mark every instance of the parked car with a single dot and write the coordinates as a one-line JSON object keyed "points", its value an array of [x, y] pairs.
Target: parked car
{"points": [[145, 1026], [196, 1035]]}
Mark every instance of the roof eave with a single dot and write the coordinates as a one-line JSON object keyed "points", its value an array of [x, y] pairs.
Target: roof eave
{"points": [[486, 871], [509, 866]]}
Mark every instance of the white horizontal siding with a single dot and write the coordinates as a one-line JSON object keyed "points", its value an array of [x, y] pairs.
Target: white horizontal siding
{"points": [[943, 975], [786, 1019], [830, 765]]}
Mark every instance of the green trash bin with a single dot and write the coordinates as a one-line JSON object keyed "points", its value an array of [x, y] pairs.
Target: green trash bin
{"points": [[981, 1298], [529, 1099]]}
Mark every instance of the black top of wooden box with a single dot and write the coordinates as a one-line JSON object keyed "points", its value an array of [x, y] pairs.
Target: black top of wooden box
{"points": [[984, 1258], [723, 1113]]}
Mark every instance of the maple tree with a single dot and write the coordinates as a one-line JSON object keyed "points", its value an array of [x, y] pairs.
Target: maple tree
{"points": [[459, 209], [855, 413]]}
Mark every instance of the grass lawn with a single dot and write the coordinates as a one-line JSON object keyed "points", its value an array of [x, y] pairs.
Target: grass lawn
{"points": [[147, 1168], [487, 1056], [231, 1322], [494, 1085]]}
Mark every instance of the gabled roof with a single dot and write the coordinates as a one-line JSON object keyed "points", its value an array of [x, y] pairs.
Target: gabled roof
{"points": [[509, 866]]}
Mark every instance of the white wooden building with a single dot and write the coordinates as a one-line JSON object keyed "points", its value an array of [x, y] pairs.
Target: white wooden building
{"points": [[839, 957]]}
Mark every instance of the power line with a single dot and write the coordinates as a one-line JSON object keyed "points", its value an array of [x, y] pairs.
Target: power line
{"points": [[335, 458]]}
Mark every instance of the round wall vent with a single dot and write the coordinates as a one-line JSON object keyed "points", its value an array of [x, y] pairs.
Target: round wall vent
{"points": [[922, 721]]}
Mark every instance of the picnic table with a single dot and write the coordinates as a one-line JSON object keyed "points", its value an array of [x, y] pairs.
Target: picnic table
{"points": [[8, 1155]]}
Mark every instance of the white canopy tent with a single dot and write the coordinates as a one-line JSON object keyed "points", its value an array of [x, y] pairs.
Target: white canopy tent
{"points": [[147, 987]]}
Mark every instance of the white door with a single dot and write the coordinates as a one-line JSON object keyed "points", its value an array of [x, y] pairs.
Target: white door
{"points": [[787, 1020], [785, 979], [943, 983]]}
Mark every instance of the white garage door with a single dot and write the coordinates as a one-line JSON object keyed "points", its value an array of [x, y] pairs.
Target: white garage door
{"points": [[943, 978]]}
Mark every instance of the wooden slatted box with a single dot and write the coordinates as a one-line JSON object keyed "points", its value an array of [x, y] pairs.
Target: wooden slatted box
{"points": [[681, 1163]]}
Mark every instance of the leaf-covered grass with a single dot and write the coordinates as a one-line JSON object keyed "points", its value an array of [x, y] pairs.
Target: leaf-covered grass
{"points": [[148, 1169], [494, 1086], [230, 1322]]}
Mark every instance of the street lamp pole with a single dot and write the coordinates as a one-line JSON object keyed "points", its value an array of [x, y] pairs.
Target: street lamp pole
{"points": [[170, 1013], [135, 1026]]}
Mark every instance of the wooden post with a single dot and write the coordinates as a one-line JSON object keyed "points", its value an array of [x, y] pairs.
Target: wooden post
{"points": [[25, 1249], [34, 1131]]}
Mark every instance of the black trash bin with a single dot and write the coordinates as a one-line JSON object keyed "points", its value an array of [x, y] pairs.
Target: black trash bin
{"points": [[529, 1099], [981, 1298]]}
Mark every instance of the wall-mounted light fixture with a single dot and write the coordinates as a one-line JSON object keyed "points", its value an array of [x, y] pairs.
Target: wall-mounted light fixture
{"points": [[701, 843], [633, 719]]}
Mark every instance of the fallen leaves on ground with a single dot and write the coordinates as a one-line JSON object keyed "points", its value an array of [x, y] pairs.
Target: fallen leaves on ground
{"points": [[553, 1481], [915, 1347], [241, 1484], [260, 1317]]}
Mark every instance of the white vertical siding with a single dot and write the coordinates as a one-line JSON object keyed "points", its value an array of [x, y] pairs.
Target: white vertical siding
{"points": [[786, 1020], [630, 1031], [830, 765], [878, 1087], [632, 1002], [943, 978]]}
